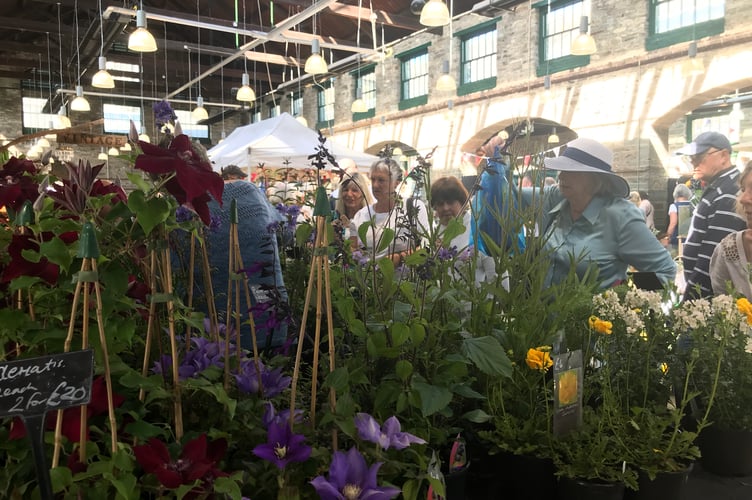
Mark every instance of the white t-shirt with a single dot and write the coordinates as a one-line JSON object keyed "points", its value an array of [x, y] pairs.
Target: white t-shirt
{"points": [[383, 220]]}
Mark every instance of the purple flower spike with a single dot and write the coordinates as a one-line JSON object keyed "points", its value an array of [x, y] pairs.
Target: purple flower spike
{"points": [[388, 435], [350, 478], [282, 446]]}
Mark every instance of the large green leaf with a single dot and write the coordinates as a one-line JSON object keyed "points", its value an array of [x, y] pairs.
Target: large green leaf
{"points": [[57, 252], [149, 213], [487, 354], [432, 398]]}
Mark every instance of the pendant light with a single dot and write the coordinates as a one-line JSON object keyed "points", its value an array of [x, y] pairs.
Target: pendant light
{"points": [[102, 79], [102, 155], [79, 103], [141, 40], [126, 148], [584, 44], [113, 151], [554, 137], [358, 105], [199, 112], [315, 64], [245, 92], [446, 82], [434, 13]]}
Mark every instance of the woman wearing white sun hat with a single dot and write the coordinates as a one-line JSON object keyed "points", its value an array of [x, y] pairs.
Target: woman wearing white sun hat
{"points": [[587, 220]]}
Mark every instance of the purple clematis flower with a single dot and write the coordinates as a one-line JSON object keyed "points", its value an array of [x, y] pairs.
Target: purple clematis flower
{"points": [[272, 380], [388, 435], [282, 446], [350, 478]]}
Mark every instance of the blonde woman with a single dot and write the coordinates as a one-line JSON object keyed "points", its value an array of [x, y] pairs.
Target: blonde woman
{"points": [[354, 194], [730, 262]]}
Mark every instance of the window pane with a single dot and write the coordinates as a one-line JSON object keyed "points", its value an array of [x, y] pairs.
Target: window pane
{"points": [[326, 104], [670, 15], [118, 117], [562, 25], [367, 85], [479, 56], [33, 116], [415, 76], [190, 127]]}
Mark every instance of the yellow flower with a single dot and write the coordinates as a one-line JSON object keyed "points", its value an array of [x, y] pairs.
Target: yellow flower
{"points": [[664, 368], [745, 307], [600, 325], [539, 359]]}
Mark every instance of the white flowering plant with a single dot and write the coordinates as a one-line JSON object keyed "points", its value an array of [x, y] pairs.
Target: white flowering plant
{"points": [[719, 333], [643, 373]]}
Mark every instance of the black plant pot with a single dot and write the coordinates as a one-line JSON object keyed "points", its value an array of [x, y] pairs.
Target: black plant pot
{"points": [[533, 478], [579, 489], [726, 452], [665, 486], [456, 483]]}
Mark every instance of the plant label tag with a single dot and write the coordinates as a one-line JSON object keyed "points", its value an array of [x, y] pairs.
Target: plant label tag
{"points": [[29, 388]]}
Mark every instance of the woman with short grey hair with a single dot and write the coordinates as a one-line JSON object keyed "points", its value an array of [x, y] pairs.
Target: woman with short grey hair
{"points": [[407, 218], [682, 195]]}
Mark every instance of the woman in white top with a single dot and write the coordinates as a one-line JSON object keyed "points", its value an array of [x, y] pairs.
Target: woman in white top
{"points": [[731, 258], [408, 219]]}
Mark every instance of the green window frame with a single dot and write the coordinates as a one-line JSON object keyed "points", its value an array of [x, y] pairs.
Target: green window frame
{"points": [[559, 25], [274, 109], [365, 80], [478, 58], [413, 77], [325, 105], [677, 21]]}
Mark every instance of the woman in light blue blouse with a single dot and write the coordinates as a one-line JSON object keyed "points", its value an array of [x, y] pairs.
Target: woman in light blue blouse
{"points": [[587, 220]]}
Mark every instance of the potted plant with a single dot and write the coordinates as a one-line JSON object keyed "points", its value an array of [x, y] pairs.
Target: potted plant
{"points": [[644, 384], [720, 328]]}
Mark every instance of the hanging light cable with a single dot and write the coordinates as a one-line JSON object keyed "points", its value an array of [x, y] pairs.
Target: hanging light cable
{"points": [[199, 113], [358, 105], [62, 120], [79, 103], [446, 82], [102, 79]]}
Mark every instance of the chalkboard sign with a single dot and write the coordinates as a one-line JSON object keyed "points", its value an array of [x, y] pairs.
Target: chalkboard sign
{"points": [[34, 386]]}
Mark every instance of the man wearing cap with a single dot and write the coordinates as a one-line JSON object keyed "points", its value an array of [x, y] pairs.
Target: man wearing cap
{"points": [[588, 223], [715, 215]]}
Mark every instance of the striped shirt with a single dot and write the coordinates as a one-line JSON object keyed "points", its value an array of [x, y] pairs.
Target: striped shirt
{"points": [[714, 217]]}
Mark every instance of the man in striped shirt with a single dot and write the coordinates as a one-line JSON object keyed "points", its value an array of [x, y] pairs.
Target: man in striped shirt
{"points": [[715, 215]]}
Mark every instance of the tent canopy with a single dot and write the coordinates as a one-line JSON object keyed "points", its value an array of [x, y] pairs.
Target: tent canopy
{"points": [[274, 141]]}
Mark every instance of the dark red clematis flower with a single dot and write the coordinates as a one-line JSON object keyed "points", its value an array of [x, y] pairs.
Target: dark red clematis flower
{"points": [[15, 187], [103, 188], [198, 460], [71, 427], [194, 178], [19, 266]]}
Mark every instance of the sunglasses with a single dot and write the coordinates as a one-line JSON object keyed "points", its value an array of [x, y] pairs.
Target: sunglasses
{"points": [[697, 159]]}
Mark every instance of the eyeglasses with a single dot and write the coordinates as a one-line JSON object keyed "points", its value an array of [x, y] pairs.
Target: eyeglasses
{"points": [[697, 159]]}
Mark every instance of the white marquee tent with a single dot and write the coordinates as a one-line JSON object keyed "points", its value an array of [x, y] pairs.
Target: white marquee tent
{"points": [[274, 141]]}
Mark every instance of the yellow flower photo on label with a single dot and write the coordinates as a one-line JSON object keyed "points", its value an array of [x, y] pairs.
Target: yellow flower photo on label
{"points": [[568, 387]]}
